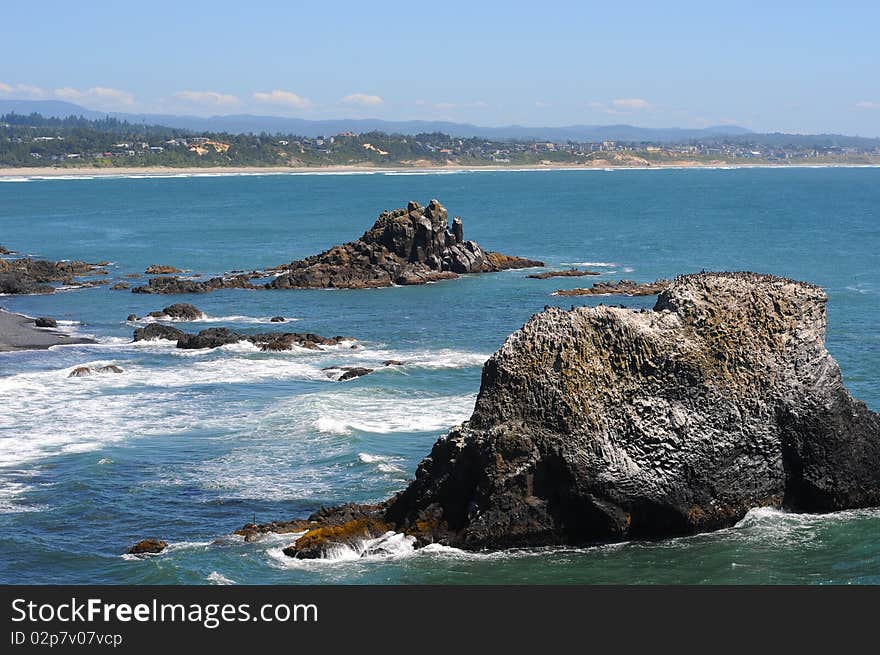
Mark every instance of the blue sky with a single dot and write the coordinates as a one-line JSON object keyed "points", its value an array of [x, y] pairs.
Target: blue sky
{"points": [[787, 66]]}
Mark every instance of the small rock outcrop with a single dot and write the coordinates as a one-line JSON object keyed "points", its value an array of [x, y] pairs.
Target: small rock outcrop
{"points": [[161, 269], [605, 424], [343, 373], [176, 285], [406, 246], [571, 272], [216, 337], [85, 371], [182, 311], [148, 547], [620, 288], [155, 331]]}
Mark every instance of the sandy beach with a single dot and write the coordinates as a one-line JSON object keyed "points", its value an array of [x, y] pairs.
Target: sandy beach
{"points": [[18, 332], [122, 171]]}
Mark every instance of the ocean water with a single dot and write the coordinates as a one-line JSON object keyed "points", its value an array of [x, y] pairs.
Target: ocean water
{"points": [[188, 446]]}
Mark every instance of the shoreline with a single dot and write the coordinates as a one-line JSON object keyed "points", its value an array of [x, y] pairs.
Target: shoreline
{"points": [[18, 332], [25, 173]]}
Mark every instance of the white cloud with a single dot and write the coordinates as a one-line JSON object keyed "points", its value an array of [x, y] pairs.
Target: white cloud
{"points": [[286, 98], [97, 96], [866, 104], [212, 98], [631, 103], [22, 90], [362, 99]]}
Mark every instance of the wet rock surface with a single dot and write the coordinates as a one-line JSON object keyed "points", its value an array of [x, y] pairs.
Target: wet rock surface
{"points": [[148, 547], [620, 288], [221, 336], [182, 311], [412, 245], [177, 285], [27, 276], [572, 272], [603, 424]]}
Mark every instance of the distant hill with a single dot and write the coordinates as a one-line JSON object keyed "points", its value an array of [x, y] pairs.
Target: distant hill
{"points": [[251, 124], [247, 123]]}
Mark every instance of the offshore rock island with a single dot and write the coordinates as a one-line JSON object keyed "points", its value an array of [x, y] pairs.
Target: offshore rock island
{"points": [[412, 245], [605, 424], [407, 246]]}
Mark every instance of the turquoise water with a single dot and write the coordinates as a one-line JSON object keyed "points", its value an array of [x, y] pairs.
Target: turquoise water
{"points": [[188, 446]]}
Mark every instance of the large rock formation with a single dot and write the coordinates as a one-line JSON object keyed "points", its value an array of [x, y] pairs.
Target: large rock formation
{"points": [[605, 424], [405, 246]]}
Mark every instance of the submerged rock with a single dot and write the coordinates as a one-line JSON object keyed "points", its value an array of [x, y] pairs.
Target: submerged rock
{"points": [[604, 424], [148, 547], [620, 288], [412, 245], [85, 371]]}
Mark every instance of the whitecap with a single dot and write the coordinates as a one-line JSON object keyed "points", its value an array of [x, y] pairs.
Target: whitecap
{"points": [[219, 579]]}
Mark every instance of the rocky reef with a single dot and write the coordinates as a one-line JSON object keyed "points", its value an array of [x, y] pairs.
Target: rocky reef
{"points": [[216, 337], [412, 245], [619, 288], [26, 275], [569, 272], [178, 285], [605, 424]]}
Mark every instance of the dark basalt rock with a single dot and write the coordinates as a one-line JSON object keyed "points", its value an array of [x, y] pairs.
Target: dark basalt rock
{"points": [[182, 311], [620, 288], [210, 338], [572, 272], [404, 246], [216, 337], [85, 371], [177, 285], [148, 547], [604, 424], [161, 269], [156, 331], [347, 372], [46, 322], [26, 275]]}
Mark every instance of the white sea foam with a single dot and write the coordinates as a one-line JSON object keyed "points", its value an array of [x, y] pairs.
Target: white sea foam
{"points": [[596, 264], [219, 579], [215, 319], [384, 463], [370, 411]]}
